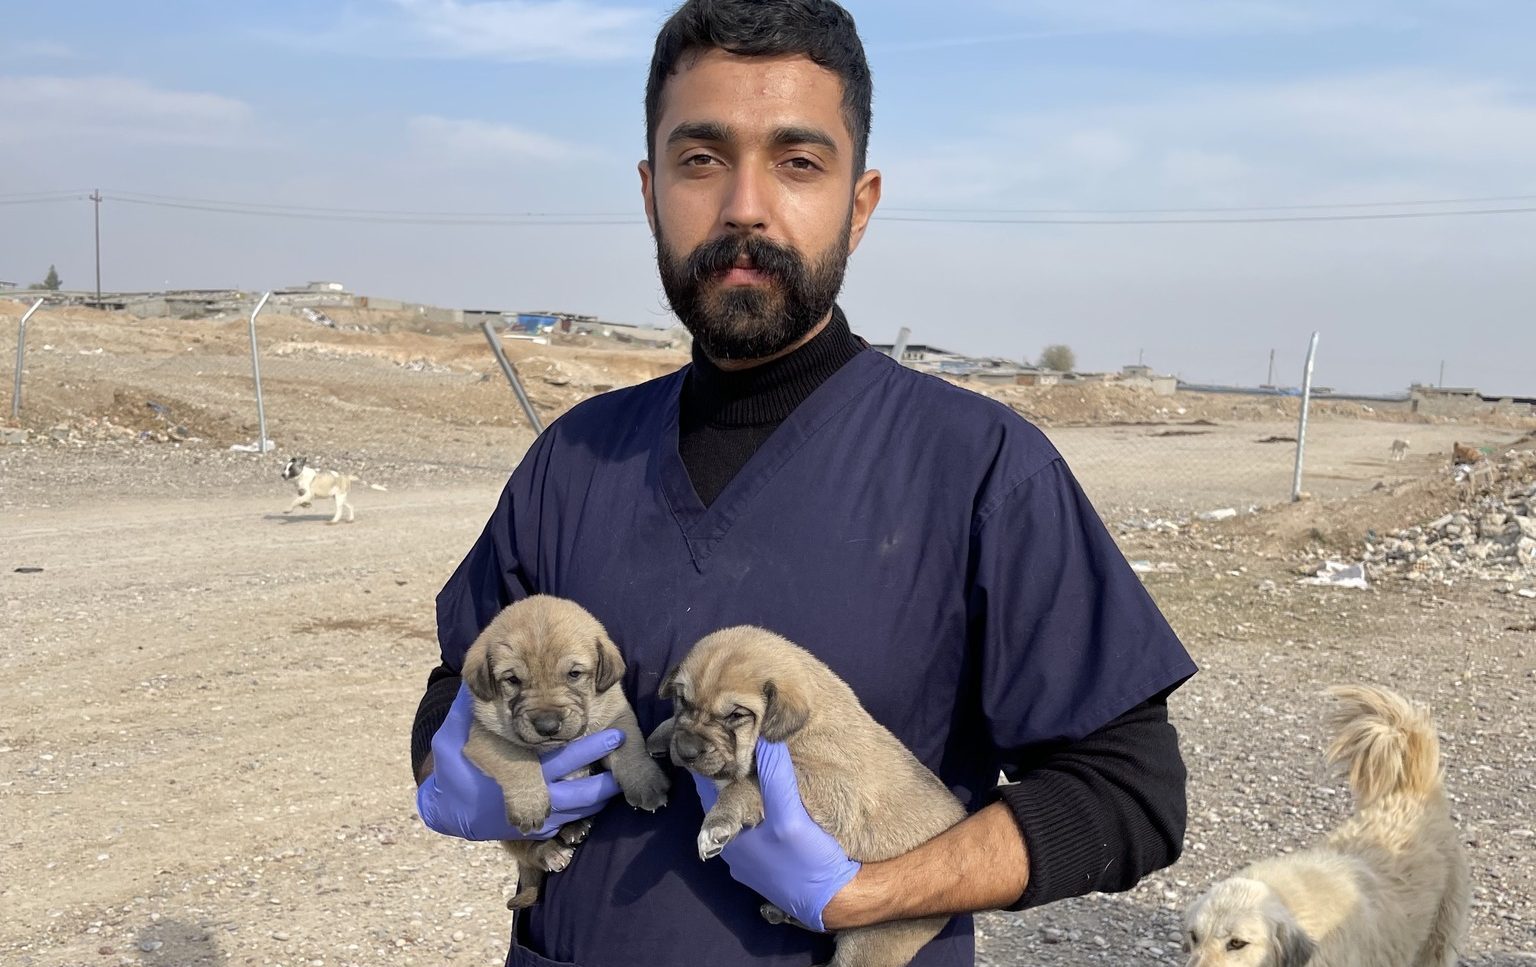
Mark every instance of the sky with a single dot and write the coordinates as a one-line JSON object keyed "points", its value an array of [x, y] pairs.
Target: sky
{"points": [[1012, 112]]}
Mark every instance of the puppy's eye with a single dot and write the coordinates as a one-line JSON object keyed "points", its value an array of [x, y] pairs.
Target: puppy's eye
{"points": [[1236, 944], [574, 674], [738, 717], [513, 680]]}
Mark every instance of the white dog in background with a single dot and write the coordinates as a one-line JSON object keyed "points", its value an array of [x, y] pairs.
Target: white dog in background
{"points": [[1387, 888], [324, 484]]}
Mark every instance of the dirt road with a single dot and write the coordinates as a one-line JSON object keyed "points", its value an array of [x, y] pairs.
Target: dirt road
{"points": [[203, 759]]}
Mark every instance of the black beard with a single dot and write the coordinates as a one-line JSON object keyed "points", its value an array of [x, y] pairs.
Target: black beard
{"points": [[751, 321]]}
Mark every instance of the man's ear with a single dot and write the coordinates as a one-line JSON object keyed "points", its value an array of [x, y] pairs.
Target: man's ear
{"points": [[610, 664], [866, 198], [784, 711], [477, 671], [648, 193]]}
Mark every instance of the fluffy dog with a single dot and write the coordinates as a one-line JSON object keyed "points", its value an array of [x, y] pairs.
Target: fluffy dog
{"points": [[314, 483], [1399, 449], [1388, 888], [857, 780], [542, 673]]}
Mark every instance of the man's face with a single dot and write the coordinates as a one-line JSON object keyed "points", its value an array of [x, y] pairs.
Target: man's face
{"points": [[753, 201]]}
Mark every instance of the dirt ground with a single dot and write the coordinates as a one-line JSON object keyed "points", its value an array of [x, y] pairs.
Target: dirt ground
{"points": [[204, 754]]}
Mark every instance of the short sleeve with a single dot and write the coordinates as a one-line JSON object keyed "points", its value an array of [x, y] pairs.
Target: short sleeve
{"points": [[486, 581], [1069, 637]]}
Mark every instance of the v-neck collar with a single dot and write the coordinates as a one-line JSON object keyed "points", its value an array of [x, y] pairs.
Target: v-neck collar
{"points": [[704, 527]]}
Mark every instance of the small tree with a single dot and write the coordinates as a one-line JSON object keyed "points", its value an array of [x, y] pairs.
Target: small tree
{"points": [[51, 282], [1058, 357]]}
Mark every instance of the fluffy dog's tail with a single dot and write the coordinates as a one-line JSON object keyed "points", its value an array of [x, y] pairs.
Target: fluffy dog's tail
{"points": [[1385, 744]]}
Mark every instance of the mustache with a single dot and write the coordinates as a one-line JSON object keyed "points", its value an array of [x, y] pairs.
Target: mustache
{"points": [[721, 255]]}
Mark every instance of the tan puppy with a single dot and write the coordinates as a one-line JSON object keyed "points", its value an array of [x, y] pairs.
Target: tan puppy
{"points": [[543, 673], [1388, 888], [858, 782]]}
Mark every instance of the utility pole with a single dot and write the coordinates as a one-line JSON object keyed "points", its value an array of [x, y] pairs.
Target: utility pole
{"points": [[1441, 384], [96, 198], [1271, 380]]}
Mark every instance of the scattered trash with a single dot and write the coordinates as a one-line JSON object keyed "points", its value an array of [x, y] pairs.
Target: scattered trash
{"points": [[1225, 513], [251, 447], [29, 570], [159, 409], [1336, 574], [1523, 592], [1161, 567], [1278, 439], [13, 436]]}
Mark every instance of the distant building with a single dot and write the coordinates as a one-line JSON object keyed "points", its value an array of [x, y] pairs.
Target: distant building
{"points": [[917, 353], [8, 285]]}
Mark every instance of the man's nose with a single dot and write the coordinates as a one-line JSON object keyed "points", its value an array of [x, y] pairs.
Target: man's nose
{"points": [[546, 723], [746, 207], [688, 746]]}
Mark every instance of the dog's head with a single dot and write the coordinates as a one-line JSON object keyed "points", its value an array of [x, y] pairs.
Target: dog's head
{"points": [[735, 685], [295, 467], [536, 668], [1243, 923]]}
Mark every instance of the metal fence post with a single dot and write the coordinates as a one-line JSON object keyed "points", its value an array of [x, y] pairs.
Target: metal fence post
{"points": [[21, 352], [261, 412], [1301, 430], [511, 374], [899, 348]]}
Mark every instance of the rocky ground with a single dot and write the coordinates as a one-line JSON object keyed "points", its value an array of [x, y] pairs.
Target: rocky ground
{"points": [[203, 757]]}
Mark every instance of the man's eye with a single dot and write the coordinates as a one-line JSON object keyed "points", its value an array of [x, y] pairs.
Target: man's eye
{"points": [[698, 160], [802, 164], [1236, 944]]}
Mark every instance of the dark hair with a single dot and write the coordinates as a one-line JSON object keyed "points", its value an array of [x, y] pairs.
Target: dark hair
{"points": [[818, 29]]}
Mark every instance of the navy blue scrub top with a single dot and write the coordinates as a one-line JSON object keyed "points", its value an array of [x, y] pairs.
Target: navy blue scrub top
{"points": [[925, 542]]}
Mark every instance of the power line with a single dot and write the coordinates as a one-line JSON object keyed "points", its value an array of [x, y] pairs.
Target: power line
{"points": [[356, 215], [1357, 217], [1486, 199]]}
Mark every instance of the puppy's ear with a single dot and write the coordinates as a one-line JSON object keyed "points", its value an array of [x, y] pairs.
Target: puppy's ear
{"points": [[668, 687], [1293, 948], [477, 672], [660, 741], [784, 712], [610, 664]]}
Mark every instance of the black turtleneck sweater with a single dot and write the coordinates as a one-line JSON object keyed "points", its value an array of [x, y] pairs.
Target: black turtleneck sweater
{"points": [[724, 416], [1097, 814]]}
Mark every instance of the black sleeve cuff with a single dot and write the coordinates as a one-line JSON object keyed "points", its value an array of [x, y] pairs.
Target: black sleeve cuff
{"points": [[1100, 814], [442, 686]]}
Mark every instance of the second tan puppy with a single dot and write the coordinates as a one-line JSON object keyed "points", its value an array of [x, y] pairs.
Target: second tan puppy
{"points": [[543, 673], [857, 780]]}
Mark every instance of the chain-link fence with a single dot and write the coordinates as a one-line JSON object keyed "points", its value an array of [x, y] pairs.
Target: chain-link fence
{"points": [[360, 390]]}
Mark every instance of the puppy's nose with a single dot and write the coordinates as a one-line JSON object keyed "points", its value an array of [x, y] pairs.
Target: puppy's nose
{"points": [[546, 723], [688, 745]]}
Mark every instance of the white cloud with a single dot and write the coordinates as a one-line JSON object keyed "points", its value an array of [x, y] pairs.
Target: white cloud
{"points": [[1354, 138], [470, 141], [122, 109], [511, 30], [1204, 17], [36, 49]]}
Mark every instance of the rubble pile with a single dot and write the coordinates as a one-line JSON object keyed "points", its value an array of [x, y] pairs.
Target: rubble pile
{"points": [[1491, 537]]}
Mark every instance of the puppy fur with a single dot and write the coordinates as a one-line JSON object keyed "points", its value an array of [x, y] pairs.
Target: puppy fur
{"points": [[857, 780], [1388, 888], [324, 484], [543, 673]]}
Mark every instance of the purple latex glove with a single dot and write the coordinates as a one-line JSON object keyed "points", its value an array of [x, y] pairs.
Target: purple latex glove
{"points": [[459, 800], [788, 860]]}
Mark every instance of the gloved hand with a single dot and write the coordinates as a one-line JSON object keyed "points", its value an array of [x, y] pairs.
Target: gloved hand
{"points": [[788, 860], [459, 800]]}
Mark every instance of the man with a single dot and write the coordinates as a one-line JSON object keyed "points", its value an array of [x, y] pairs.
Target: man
{"points": [[926, 543]]}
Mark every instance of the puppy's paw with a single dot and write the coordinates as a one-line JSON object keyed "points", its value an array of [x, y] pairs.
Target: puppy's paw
{"points": [[650, 792], [523, 899], [528, 816], [574, 832], [556, 856], [714, 837]]}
